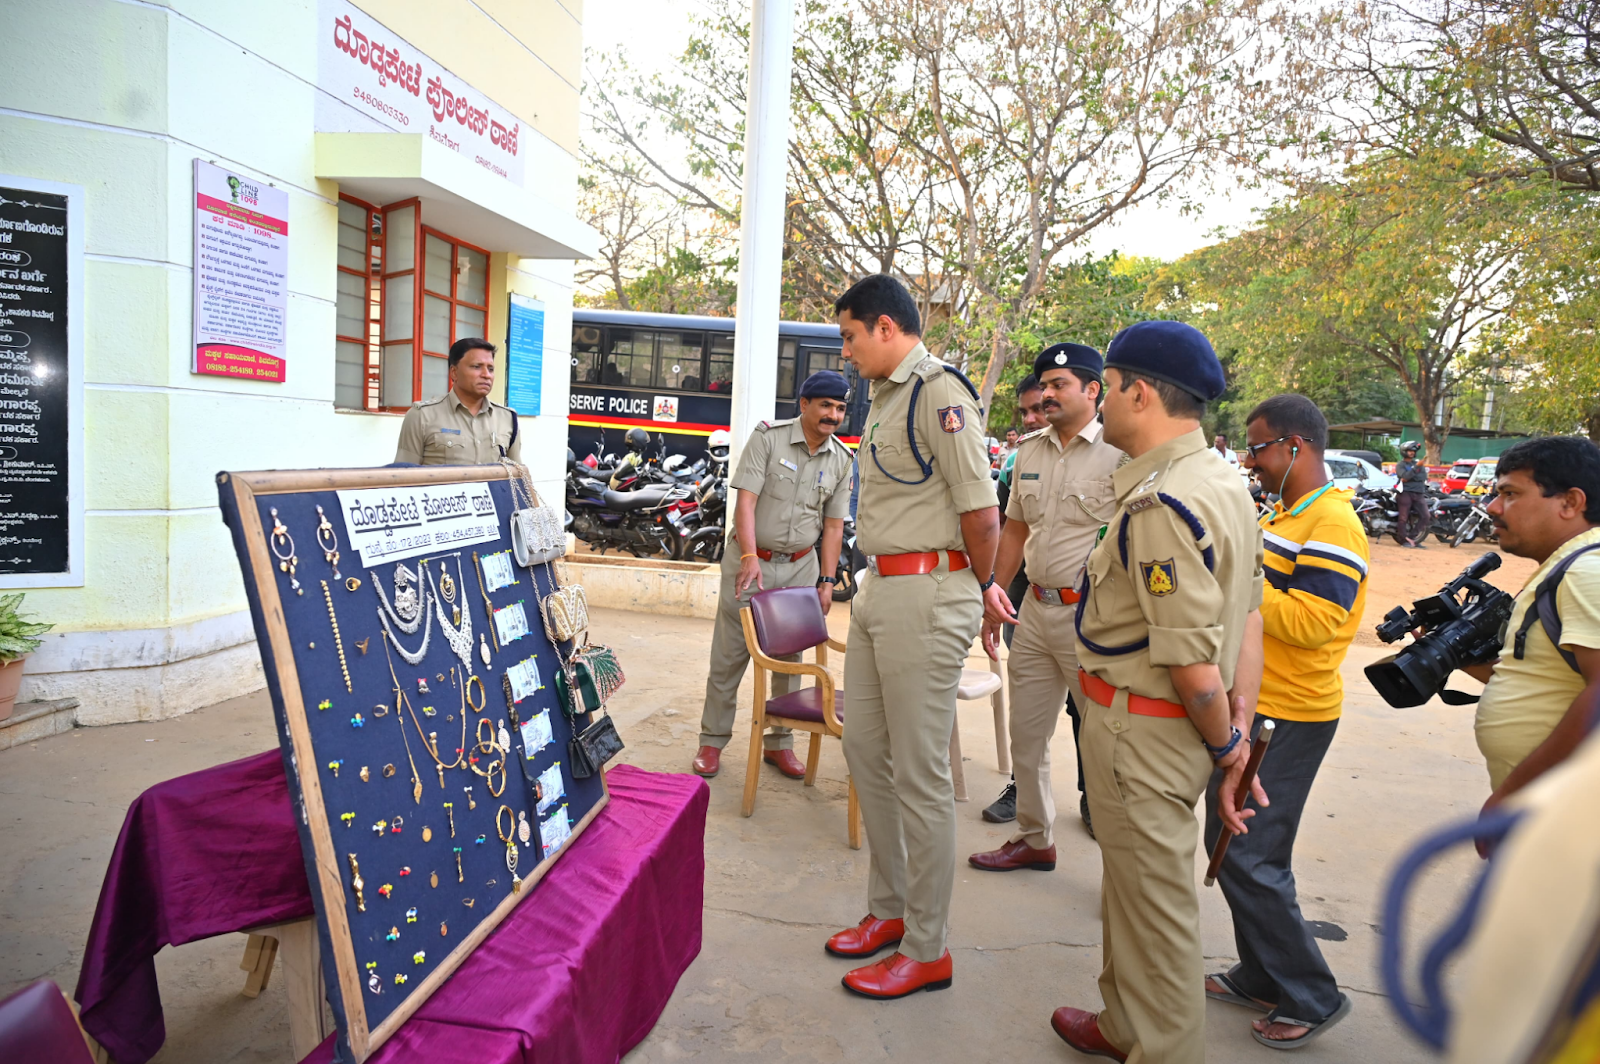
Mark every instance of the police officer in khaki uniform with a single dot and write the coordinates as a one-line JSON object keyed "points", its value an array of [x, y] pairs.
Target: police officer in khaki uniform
{"points": [[463, 426], [928, 520], [793, 481], [1170, 645], [1061, 497]]}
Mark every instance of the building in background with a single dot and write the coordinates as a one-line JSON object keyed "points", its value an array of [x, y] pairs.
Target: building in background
{"points": [[283, 215]]}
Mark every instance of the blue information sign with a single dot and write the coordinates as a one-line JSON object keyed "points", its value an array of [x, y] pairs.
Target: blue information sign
{"points": [[525, 355]]}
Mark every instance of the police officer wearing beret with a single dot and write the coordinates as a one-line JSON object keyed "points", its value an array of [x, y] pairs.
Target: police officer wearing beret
{"points": [[463, 426], [1169, 640], [928, 521], [793, 480], [1061, 497]]}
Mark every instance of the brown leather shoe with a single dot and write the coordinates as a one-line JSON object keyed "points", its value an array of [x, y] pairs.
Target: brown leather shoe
{"points": [[1081, 1031], [785, 762], [1015, 855], [867, 937], [898, 975], [708, 762]]}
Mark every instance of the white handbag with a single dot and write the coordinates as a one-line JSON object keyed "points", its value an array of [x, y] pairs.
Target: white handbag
{"points": [[537, 534]]}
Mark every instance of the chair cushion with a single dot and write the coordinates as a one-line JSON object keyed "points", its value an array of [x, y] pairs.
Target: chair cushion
{"points": [[788, 620], [975, 684], [804, 704], [36, 1024]]}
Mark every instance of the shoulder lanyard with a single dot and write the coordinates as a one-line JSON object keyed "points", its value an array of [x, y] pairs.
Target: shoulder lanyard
{"points": [[1303, 503]]}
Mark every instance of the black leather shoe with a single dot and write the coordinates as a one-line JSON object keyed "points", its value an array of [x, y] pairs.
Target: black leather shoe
{"points": [[1083, 811], [1004, 809]]}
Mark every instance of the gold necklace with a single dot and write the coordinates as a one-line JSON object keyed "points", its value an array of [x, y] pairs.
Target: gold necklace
{"points": [[430, 742], [400, 702]]}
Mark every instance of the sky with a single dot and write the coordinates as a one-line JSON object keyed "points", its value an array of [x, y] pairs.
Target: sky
{"points": [[653, 33]]}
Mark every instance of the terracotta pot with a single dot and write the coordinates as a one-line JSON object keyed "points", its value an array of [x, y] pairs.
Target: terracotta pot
{"points": [[10, 683]]}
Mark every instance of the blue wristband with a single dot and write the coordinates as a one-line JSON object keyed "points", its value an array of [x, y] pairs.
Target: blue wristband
{"points": [[1219, 752]]}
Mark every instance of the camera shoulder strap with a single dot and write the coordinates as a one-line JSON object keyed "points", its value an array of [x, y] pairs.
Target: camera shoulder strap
{"points": [[1545, 612]]}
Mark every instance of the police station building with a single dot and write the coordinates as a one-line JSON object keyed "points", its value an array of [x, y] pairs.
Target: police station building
{"points": [[241, 236]]}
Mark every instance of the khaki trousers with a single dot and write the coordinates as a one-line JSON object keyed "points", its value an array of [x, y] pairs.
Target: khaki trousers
{"points": [[1143, 776], [1043, 668], [730, 657], [909, 637]]}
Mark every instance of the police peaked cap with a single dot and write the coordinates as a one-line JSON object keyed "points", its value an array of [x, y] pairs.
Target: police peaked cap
{"points": [[1069, 356], [825, 384], [1169, 351]]}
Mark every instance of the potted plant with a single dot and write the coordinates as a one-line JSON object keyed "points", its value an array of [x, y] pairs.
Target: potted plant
{"points": [[17, 641]]}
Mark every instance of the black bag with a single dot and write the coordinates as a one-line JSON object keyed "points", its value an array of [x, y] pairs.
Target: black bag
{"points": [[593, 747]]}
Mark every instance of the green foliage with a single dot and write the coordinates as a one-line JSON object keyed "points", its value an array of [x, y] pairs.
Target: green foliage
{"points": [[17, 636], [683, 283]]}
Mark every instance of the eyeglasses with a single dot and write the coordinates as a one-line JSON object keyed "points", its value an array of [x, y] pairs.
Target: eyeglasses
{"points": [[1256, 448]]}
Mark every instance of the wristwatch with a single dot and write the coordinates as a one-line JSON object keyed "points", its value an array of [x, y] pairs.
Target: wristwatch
{"points": [[986, 585], [827, 580]]}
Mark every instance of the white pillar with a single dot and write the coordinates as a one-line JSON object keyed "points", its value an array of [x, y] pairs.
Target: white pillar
{"points": [[766, 150]]}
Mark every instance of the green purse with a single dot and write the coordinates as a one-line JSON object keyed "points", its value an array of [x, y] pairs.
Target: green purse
{"points": [[588, 679]]}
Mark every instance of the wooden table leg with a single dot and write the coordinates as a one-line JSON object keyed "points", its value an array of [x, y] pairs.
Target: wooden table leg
{"points": [[297, 942]]}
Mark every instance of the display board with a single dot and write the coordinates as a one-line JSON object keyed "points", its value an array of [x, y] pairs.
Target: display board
{"points": [[241, 276], [413, 688]]}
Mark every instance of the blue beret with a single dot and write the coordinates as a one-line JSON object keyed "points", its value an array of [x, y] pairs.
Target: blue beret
{"points": [[1069, 356], [825, 384], [1169, 351]]}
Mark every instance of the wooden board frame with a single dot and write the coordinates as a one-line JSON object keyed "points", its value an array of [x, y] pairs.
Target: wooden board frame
{"points": [[324, 871]]}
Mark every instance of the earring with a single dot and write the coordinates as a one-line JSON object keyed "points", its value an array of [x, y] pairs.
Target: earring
{"points": [[328, 540], [287, 560]]}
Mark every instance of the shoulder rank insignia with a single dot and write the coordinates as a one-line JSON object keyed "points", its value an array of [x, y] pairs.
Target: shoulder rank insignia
{"points": [[1160, 578], [952, 418]]}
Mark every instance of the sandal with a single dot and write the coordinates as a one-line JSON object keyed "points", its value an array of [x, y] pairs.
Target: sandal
{"points": [[1234, 996], [1312, 1029]]}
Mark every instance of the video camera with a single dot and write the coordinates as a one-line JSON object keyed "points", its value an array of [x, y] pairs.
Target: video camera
{"points": [[1464, 624]]}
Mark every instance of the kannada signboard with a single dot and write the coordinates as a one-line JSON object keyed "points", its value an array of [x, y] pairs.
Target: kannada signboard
{"points": [[241, 276], [392, 82], [392, 524], [41, 536], [525, 355]]}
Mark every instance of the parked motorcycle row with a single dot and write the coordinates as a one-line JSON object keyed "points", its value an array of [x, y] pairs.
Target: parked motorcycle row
{"points": [[1454, 519], [648, 504]]}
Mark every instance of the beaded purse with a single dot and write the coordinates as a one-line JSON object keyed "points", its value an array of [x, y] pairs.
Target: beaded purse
{"points": [[537, 534]]}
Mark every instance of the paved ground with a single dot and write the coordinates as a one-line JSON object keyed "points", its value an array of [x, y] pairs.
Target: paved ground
{"points": [[779, 882]]}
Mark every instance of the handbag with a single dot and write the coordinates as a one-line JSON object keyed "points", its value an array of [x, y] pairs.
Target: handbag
{"points": [[537, 532], [593, 747], [566, 613], [588, 680]]}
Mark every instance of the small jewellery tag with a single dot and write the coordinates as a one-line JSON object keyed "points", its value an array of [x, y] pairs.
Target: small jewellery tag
{"points": [[498, 571]]}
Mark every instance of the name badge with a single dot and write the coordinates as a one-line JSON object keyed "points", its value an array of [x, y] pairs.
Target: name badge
{"points": [[452, 432], [788, 465], [1030, 476]]}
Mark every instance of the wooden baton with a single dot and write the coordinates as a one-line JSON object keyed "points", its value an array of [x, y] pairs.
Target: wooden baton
{"points": [[1258, 750]]}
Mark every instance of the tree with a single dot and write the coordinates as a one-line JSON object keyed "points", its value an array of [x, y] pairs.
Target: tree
{"points": [[1398, 271]]}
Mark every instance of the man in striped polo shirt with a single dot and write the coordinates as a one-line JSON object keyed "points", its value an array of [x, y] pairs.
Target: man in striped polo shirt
{"points": [[1316, 584]]}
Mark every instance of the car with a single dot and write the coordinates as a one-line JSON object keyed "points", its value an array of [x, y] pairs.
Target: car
{"points": [[1456, 479], [1481, 482], [1351, 471]]}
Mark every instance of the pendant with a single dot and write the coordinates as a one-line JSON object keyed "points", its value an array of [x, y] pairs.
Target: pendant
{"points": [[427, 836], [447, 586], [524, 832], [441, 776], [516, 883], [433, 880], [505, 737], [483, 647], [443, 928], [416, 790], [366, 776], [472, 803]]}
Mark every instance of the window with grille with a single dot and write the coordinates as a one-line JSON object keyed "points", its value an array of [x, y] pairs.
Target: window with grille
{"points": [[406, 293]]}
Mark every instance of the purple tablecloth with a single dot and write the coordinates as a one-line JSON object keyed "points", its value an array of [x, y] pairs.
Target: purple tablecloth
{"points": [[579, 974]]}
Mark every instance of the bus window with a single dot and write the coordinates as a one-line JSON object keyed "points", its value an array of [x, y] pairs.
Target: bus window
{"points": [[786, 351], [719, 363], [585, 354], [630, 357], [678, 360], [823, 358]]}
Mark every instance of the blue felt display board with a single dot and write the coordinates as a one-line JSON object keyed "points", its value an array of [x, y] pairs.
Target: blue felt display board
{"points": [[418, 908]]}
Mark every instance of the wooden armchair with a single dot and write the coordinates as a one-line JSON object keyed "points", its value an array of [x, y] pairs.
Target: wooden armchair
{"points": [[789, 620]]}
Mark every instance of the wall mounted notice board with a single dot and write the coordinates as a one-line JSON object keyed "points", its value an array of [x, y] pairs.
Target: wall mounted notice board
{"points": [[411, 780]]}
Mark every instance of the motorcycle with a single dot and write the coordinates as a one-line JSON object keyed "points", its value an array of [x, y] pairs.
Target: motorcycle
{"points": [[851, 561], [1474, 524], [635, 521], [1377, 510], [704, 531], [1446, 514]]}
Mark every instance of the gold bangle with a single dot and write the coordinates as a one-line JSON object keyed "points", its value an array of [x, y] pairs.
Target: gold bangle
{"points": [[506, 809]]}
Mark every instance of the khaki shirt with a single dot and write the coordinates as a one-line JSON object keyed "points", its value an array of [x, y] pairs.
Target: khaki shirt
{"points": [[1065, 496], [900, 512], [441, 432], [794, 488], [1164, 607]]}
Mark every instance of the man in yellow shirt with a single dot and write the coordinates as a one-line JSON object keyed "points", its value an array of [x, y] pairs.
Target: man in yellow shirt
{"points": [[1316, 577], [1540, 700]]}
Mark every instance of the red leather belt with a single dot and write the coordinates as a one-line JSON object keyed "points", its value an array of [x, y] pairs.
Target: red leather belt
{"points": [[1054, 596], [1103, 693], [915, 564], [766, 555]]}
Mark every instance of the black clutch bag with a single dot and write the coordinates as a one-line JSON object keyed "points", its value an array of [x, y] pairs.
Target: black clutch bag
{"points": [[593, 747]]}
